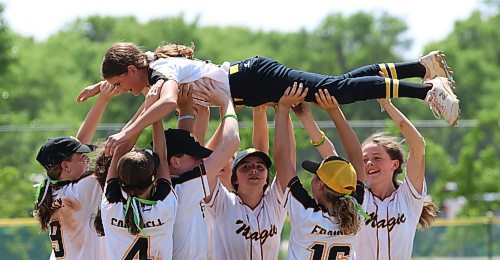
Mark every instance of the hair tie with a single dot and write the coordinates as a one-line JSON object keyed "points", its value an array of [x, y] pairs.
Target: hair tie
{"points": [[357, 206], [46, 183], [150, 56], [136, 203]]}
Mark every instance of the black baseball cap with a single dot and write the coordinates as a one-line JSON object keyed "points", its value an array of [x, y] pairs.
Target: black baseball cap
{"points": [[250, 152], [180, 141], [55, 150]]}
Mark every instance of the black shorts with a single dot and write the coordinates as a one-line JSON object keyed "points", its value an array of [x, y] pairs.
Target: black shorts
{"points": [[259, 80]]}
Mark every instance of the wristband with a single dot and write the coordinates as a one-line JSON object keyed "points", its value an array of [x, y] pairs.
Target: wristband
{"points": [[230, 115], [321, 140], [186, 117]]}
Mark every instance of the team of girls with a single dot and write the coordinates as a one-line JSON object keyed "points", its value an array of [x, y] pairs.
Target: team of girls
{"points": [[144, 215], [258, 80]]}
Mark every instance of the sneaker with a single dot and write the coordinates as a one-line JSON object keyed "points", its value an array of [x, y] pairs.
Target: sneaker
{"points": [[436, 66], [442, 101]]}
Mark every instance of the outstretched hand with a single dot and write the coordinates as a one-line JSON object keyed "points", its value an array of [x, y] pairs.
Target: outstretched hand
{"points": [[326, 101], [113, 141], [107, 90], [210, 93], [185, 97], [293, 95], [153, 94], [90, 91]]}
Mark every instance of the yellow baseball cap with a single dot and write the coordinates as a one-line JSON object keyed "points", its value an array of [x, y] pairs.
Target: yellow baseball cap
{"points": [[337, 173]]}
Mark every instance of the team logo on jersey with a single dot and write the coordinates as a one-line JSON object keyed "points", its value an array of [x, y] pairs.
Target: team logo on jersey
{"points": [[245, 231], [57, 204], [383, 223]]}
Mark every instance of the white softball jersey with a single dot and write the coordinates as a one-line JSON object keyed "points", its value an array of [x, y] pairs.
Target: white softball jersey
{"points": [[390, 231], [71, 228], [159, 223], [190, 233], [240, 232], [184, 70], [314, 234]]}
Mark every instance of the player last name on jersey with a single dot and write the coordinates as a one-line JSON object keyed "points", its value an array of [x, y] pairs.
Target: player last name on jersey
{"points": [[148, 224], [264, 234], [321, 231], [382, 223]]}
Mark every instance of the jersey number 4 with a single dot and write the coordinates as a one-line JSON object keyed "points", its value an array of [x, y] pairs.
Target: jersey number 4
{"points": [[334, 252], [139, 249], [56, 239]]}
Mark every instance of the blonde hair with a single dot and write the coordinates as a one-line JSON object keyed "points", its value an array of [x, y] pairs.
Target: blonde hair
{"points": [[344, 210], [175, 50], [428, 215]]}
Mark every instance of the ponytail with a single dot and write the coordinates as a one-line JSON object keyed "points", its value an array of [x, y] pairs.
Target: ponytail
{"points": [[43, 204], [43, 209], [99, 228], [428, 215], [344, 209], [133, 215], [175, 50]]}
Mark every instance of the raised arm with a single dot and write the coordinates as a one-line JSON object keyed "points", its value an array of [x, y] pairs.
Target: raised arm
{"points": [[285, 167], [318, 138], [260, 132], [186, 110], [90, 91], [201, 123], [229, 132], [347, 135], [152, 97], [160, 148], [89, 125], [165, 105], [415, 165]]}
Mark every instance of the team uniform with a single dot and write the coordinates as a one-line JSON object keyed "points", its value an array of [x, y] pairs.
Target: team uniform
{"points": [[244, 233], [158, 220], [314, 233], [190, 232], [70, 228], [184, 70], [269, 78], [390, 231]]}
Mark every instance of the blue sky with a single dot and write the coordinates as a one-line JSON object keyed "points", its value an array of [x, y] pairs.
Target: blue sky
{"points": [[428, 20]]}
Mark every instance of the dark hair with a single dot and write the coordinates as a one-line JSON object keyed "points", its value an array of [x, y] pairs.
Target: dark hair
{"points": [[135, 167], [101, 168], [344, 210], [101, 172], [43, 210], [121, 55], [99, 228]]}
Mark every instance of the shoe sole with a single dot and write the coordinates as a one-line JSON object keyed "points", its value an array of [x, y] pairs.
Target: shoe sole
{"points": [[441, 58], [449, 89], [441, 61]]}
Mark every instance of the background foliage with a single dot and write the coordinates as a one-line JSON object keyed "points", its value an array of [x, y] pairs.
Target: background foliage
{"points": [[40, 80]]}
